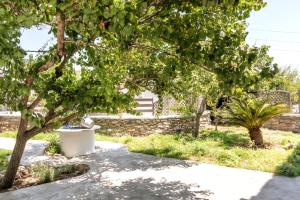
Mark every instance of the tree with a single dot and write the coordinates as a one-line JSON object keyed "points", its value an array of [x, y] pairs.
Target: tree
{"points": [[251, 66], [252, 114], [118, 44]]}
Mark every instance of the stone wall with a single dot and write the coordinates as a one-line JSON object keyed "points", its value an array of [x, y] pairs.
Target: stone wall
{"points": [[9, 123], [136, 126], [286, 122], [146, 126]]}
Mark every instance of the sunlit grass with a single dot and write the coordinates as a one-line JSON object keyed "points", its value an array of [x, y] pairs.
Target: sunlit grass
{"points": [[227, 147], [42, 136]]}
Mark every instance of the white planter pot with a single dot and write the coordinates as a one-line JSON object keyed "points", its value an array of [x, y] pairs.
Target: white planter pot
{"points": [[76, 142]]}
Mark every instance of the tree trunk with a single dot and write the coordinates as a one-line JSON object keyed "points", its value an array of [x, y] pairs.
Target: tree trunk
{"points": [[256, 136], [201, 106], [216, 123], [16, 156], [197, 125]]}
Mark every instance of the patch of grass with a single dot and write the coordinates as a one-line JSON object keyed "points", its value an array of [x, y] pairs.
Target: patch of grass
{"points": [[3, 158], [47, 173], [51, 137], [228, 138], [42, 136], [230, 147], [9, 134]]}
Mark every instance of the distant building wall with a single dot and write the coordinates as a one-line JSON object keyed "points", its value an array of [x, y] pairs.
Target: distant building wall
{"points": [[9, 123]]}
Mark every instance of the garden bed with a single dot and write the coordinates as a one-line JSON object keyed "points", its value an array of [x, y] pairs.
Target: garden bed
{"points": [[41, 173]]}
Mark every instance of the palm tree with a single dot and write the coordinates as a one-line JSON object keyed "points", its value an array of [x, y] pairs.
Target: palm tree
{"points": [[252, 114]]}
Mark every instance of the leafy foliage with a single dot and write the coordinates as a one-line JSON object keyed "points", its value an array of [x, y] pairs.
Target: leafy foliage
{"points": [[292, 166], [251, 113], [136, 45], [286, 79], [53, 146]]}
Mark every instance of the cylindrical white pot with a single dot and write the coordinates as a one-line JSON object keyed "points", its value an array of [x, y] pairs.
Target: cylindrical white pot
{"points": [[76, 142]]}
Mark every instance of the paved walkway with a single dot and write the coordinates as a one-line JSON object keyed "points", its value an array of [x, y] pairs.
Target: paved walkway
{"points": [[118, 174]]}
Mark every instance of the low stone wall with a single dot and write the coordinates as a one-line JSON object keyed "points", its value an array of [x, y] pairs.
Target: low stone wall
{"points": [[286, 122], [136, 126], [9, 123], [146, 126]]}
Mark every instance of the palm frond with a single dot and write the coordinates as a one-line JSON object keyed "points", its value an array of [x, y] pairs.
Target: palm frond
{"points": [[251, 113]]}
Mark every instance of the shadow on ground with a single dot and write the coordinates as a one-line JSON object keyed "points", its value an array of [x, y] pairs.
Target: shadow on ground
{"points": [[143, 189], [129, 161], [117, 174], [229, 139]]}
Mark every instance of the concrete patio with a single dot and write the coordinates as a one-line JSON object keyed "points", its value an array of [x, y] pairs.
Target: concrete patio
{"points": [[118, 174]]}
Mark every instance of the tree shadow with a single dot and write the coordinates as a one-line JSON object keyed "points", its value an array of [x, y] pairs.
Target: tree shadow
{"points": [[114, 159], [228, 138], [279, 188], [117, 174], [144, 189]]}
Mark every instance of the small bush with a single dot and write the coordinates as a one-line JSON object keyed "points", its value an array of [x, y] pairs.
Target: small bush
{"points": [[292, 166], [45, 173], [53, 147], [67, 169]]}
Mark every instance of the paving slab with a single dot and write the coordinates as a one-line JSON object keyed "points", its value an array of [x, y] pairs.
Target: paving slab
{"points": [[118, 174]]}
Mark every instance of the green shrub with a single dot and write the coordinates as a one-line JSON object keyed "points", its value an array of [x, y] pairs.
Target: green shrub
{"points": [[45, 173], [48, 173], [67, 169], [53, 146], [292, 166]]}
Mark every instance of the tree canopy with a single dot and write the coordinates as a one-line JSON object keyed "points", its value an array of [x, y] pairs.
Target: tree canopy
{"points": [[122, 48], [135, 45]]}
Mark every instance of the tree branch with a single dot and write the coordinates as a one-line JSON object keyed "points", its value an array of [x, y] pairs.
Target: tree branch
{"points": [[46, 127], [149, 17], [35, 103], [60, 23], [46, 66]]}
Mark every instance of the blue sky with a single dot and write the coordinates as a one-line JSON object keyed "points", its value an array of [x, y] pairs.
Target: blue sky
{"points": [[277, 25]]}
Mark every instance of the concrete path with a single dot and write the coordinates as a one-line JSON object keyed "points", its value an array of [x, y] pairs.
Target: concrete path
{"points": [[118, 174]]}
